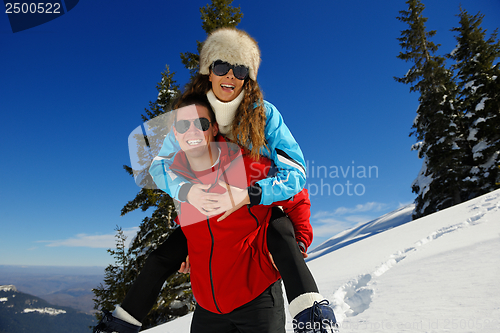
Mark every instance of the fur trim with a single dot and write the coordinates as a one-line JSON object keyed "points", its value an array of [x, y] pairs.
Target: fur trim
{"points": [[303, 302], [120, 313], [231, 45]]}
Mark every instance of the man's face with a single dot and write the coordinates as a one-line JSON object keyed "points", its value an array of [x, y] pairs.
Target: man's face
{"points": [[194, 141]]}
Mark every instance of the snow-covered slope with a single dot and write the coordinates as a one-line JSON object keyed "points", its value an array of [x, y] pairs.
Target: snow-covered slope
{"points": [[388, 221], [435, 274]]}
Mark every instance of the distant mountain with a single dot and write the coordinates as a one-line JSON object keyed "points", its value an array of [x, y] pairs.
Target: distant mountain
{"points": [[63, 286], [79, 297], [24, 313]]}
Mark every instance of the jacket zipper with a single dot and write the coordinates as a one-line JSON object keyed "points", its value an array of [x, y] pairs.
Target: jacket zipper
{"points": [[210, 265], [250, 212]]}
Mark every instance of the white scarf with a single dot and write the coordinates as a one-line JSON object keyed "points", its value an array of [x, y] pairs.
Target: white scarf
{"points": [[225, 111]]}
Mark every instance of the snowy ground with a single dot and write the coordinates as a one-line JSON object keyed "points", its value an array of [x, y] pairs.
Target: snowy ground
{"points": [[435, 274]]}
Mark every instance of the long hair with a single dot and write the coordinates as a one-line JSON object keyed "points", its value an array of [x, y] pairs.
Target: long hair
{"points": [[248, 128]]}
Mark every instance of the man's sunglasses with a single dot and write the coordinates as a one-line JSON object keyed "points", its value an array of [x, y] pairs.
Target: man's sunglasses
{"points": [[202, 124], [221, 68]]}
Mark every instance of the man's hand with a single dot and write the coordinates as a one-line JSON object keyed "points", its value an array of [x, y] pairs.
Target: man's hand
{"points": [[305, 255], [272, 261], [185, 267]]}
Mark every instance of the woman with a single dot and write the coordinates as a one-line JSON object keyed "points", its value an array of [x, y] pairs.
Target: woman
{"points": [[229, 62]]}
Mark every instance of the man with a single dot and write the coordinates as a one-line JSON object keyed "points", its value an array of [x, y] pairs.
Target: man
{"points": [[233, 278]]}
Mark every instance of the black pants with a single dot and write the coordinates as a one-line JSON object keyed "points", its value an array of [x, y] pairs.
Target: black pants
{"points": [[283, 246], [169, 256], [160, 264], [264, 314]]}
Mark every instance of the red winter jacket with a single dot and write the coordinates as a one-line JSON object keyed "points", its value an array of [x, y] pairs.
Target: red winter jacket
{"points": [[229, 259]]}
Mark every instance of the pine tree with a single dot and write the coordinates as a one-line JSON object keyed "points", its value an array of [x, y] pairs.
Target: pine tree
{"points": [[216, 15], [478, 73], [176, 297], [115, 282], [437, 126]]}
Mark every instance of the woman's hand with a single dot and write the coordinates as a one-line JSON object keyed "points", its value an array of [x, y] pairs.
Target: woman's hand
{"points": [[232, 200], [213, 203], [185, 267], [200, 199]]}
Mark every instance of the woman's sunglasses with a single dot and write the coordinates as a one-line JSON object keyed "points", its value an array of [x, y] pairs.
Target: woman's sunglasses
{"points": [[221, 68], [202, 124]]}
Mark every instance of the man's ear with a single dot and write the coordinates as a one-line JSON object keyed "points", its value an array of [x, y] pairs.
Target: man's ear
{"points": [[215, 128], [175, 132]]}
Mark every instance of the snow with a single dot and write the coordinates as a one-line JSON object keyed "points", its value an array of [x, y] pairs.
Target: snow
{"points": [[455, 50], [363, 230], [491, 162], [478, 120], [478, 148], [480, 106], [49, 311], [470, 85], [417, 146], [438, 273], [9, 287], [423, 181], [472, 134], [46, 310]]}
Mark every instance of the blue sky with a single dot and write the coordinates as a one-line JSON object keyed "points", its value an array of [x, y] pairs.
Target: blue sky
{"points": [[73, 89]]}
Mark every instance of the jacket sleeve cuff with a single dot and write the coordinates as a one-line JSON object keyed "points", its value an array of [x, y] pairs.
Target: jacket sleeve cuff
{"points": [[183, 191], [255, 194], [302, 247]]}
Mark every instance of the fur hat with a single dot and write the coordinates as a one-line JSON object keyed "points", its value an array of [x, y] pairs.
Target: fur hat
{"points": [[231, 45]]}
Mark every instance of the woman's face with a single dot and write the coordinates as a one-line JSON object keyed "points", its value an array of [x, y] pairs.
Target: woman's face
{"points": [[226, 87]]}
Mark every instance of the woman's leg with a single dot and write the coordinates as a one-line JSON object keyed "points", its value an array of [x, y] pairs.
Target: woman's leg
{"points": [[307, 307], [161, 263], [287, 257]]}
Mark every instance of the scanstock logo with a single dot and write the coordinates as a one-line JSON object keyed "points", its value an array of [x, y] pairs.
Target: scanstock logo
{"points": [[28, 14]]}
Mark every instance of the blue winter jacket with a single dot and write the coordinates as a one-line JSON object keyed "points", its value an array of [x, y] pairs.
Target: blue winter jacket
{"points": [[288, 180]]}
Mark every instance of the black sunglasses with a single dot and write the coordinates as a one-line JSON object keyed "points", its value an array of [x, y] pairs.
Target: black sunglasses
{"points": [[202, 124], [221, 68]]}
